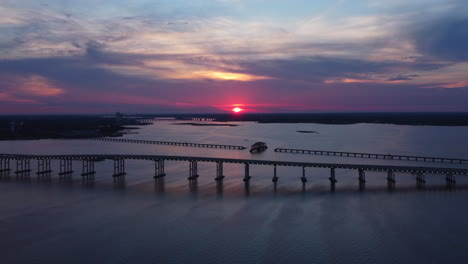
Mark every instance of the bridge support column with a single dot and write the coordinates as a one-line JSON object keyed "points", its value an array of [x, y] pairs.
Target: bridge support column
{"points": [[275, 177], [332, 176], [88, 168], [450, 179], [391, 176], [4, 165], [43, 166], [23, 165], [362, 176], [193, 170], [247, 173], [119, 168], [159, 169], [420, 178], [219, 171], [66, 167], [303, 178]]}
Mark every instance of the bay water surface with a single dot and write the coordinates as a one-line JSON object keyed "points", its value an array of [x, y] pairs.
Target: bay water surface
{"points": [[135, 219]]}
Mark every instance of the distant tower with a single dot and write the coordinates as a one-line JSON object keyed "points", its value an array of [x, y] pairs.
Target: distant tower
{"points": [[13, 127], [119, 118]]}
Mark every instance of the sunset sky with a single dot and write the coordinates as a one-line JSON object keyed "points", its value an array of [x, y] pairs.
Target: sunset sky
{"points": [[200, 56]]}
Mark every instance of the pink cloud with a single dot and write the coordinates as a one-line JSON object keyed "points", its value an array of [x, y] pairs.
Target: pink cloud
{"points": [[351, 80], [38, 86], [10, 98], [454, 85]]}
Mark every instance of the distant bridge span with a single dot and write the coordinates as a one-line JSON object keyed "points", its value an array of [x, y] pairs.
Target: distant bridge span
{"points": [[170, 143], [372, 155]]}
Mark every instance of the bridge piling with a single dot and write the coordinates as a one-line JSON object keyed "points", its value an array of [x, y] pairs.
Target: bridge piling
{"points": [[66, 167], [119, 168], [391, 176], [247, 173], [193, 170], [23, 165], [275, 177], [43, 166], [332, 176], [420, 177], [159, 169], [362, 186], [88, 168], [362, 176], [303, 178], [219, 171], [4, 165], [450, 178]]}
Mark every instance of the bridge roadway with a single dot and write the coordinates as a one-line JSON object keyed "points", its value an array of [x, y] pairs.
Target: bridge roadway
{"points": [[373, 155], [364, 167], [185, 144]]}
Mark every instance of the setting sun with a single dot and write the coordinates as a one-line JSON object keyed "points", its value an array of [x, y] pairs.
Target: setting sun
{"points": [[237, 110]]}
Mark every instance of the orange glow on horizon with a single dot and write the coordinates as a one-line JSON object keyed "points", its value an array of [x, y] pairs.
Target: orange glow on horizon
{"points": [[237, 109], [230, 76]]}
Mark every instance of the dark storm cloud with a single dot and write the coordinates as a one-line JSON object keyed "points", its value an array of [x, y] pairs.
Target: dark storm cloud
{"points": [[95, 54], [82, 71], [445, 38], [386, 97], [84, 80], [403, 77], [311, 69], [11, 44], [65, 70], [321, 68]]}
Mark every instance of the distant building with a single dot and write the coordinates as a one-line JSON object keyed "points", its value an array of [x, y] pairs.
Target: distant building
{"points": [[16, 127], [13, 127], [119, 118], [203, 119]]}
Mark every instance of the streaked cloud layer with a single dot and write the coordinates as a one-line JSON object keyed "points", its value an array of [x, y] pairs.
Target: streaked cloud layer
{"points": [[66, 56]]}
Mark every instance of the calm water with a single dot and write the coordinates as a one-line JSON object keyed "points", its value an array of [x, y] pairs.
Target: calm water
{"points": [[135, 220]]}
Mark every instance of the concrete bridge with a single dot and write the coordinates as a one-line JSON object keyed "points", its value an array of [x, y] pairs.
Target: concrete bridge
{"points": [[170, 143], [373, 155], [22, 163]]}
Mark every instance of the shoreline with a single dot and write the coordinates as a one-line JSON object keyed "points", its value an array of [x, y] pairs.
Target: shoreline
{"points": [[64, 127], [410, 119]]}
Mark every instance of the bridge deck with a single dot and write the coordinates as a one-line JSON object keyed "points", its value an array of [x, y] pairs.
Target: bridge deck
{"points": [[373, 155], [242, 161], [171, 143]]}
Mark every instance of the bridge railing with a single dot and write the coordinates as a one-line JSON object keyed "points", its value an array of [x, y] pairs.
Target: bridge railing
{"points": [[170, 143], [373, 155], [88, 160], [367, 167]]}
